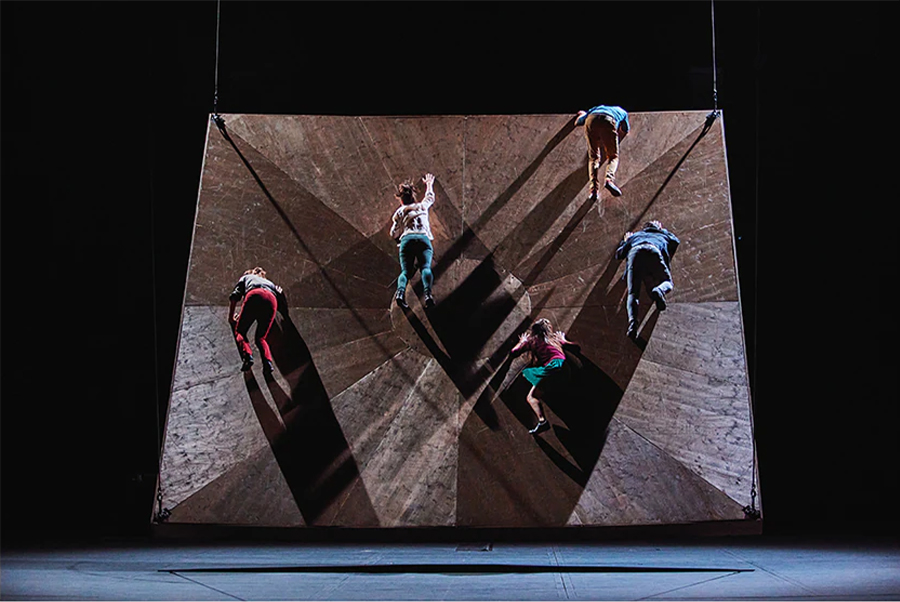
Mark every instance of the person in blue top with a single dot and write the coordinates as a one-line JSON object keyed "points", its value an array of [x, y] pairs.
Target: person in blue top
{"points": [[648, 254], [604, 127]]}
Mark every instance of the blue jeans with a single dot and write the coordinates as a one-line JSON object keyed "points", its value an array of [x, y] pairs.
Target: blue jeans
{"points": [[415, 248]]}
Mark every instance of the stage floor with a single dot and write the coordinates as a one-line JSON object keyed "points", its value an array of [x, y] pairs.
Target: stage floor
{"points": [[720, 569]]}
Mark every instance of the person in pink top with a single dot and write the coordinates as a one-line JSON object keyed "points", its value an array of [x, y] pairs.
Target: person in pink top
{"points": [[546, 347]]}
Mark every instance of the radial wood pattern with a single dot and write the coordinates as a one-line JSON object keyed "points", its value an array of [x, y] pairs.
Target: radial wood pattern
{"points": [[377, 417]]}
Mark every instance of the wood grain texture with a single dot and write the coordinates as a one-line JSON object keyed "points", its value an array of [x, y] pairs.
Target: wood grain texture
{"points": [[211, 425], [353, 164], [381, 417], [253, 492], [401, 421], [689, 395], [635, 482]]}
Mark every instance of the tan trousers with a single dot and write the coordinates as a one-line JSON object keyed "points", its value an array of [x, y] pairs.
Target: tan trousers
{"points": [[603, 144]]}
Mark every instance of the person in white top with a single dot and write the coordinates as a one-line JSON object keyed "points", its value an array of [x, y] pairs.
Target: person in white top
{"points": [[411, 230]]}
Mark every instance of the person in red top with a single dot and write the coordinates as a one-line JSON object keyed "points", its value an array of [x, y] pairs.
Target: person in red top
{"points": [[259, 304], [546, 347]]}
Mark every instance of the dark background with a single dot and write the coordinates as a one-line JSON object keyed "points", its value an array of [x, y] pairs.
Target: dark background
{"points": [[104, 113]]}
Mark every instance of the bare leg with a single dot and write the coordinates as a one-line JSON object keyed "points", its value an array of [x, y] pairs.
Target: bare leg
{"points": [[534, 400]]}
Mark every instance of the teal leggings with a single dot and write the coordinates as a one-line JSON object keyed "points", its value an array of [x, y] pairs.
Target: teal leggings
{"points": [[413, 248]]}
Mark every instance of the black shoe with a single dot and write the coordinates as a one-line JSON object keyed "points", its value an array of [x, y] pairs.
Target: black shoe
{"points": [[631, 333], [248, 361], [268, 367], [615, 190], [401, 301], [541, 426], [660, 298], [593, 196], [429, 301]]}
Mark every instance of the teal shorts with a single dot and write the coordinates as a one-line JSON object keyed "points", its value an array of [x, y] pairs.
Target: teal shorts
{"points": [[537, 374]]}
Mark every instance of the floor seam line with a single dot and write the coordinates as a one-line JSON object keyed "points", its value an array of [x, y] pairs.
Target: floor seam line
{"points": [[177, 574]]}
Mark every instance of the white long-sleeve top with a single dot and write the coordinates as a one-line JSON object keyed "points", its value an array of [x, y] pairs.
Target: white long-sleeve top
{"points": [[413, 218]]}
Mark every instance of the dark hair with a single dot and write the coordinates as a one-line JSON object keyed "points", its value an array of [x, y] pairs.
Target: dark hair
{"points": [[406, 192], [257, 271], [543, 329]]}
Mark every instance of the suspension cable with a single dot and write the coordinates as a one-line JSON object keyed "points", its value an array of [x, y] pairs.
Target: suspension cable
{"points": [[750, 511], [215, 112], [159, 434], [753, 511], [162, 514], [712, 8], [714, 114]]}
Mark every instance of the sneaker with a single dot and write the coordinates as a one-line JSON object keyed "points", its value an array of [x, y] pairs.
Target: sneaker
{"points": [[660, 298], [541, 426], [400, 299], [268, 367], [593, 196], [248, 361], [631, 333], [429, 301], [610, 186]]}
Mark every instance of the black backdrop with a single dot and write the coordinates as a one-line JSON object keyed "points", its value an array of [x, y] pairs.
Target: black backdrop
{"points": [[104, 113]]}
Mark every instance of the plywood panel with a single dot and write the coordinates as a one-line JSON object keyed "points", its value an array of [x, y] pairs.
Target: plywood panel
{"points": [[253, 492], [377, 416], [637, 483], [211, 424], [689, 395]]}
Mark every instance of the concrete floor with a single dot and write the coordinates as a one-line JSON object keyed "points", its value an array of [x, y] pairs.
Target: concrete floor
{"points": [[720, 569]]}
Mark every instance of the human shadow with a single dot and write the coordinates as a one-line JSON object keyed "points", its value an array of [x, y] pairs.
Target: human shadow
{"points": [[461, 357], [469, 235], [508, 477], [306, 437], [585, 404], [602, 320], [583, 399], [325, 279], [464, 320], [580, 405], [704, 130], [467, 317], [498, 366]]}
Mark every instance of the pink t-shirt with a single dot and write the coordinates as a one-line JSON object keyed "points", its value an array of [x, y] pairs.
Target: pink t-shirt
{"points": [[544, 352]]}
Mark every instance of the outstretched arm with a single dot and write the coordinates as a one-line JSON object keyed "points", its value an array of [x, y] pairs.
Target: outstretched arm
{"points": [[236, 295], [396, 229], [561, 336], [673, 243], [428, 201], [624, 128], [623, 246], [521, 346], [281, 299], [671, 239], [231, 309]]}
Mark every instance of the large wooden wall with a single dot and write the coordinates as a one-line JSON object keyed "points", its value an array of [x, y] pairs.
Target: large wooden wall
{"points": [[380, 418]]}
